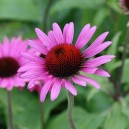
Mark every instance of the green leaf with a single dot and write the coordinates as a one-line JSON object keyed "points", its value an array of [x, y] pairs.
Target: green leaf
{"points": [[26, 10], [114, 4], [82, 120], [101, 14], [69, 4], [125, 77], [115, 118], [113, 50], [25, 109]]}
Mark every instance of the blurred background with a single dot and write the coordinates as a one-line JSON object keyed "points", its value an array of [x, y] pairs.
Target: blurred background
{"points": [[107, 108]]}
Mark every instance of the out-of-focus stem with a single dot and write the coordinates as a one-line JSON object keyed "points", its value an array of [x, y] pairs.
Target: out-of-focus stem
{"points": [[46, 15], [41, 115], [10, 114], [120, 73], [70, 109]]}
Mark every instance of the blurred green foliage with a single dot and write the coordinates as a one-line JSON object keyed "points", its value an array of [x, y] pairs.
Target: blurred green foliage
{"points": [[93, 109]]}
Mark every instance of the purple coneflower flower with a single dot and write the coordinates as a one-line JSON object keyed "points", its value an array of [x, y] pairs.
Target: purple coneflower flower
{"points": [[125, 5], [63, 63], [10, 62]]}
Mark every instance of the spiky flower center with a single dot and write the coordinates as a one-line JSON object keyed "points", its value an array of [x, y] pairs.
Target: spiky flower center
{"points": [[126, 2], [64, 60], [8, 67]]}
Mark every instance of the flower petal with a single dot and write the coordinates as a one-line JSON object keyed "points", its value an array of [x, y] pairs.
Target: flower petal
{"points": [[55, 89], [97, 50], [102, 72], [32, 58], [43, 38], [70, 87], [90, 81], [58, 33], [97, 42], [83, 41], [70, 33], [38, 46], [98, 61], [45, 90], [78, 81]]}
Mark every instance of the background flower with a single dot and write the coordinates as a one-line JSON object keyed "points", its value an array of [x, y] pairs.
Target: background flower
{"points": [[10, 61]]}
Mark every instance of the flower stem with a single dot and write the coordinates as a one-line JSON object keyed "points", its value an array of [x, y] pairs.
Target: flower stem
{"points": [[119, 79], [70, 109], [46, 15], [41, 115], [10, 110]]}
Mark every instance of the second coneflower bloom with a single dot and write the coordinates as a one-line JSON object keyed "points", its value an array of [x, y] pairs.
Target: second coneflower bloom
{"points": [[125, 5], [63, 62]]}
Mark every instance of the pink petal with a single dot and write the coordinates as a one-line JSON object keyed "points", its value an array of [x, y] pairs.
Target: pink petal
{"points": [[10, 85], [55, 89], [70, 33], [52, 38], [38, 46], [31, 84], [5, 47], [45, 90], [83, 41], [89, 70], [32, 74], [83, 33], [102, 72], [90, 81], [33, 58], [58, 33], [98, 61], [43, 37], [65, 32], [97, 42], [78, 81], [97, 50], [30, 66], [70, 87]]}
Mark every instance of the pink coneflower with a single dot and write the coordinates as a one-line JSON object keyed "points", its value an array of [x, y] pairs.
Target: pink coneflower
{"points": [[65, 63], [125, 5], [10, 61]]}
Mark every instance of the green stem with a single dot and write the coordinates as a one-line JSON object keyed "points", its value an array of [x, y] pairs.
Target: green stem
{"points": [[70, 109], [120, 73], [46, 15], [41, 115], [10, 110]]}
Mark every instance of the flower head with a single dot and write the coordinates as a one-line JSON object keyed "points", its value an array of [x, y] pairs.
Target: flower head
{"points": [[10, 61], [125, 5], [63, 62]]}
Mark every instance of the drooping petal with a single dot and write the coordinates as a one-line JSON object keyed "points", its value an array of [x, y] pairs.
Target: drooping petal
{"points": [[70, 87], [45, 90], [90, 81], [55, 91], [102, 72], [78, 81], [89, 70]]}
